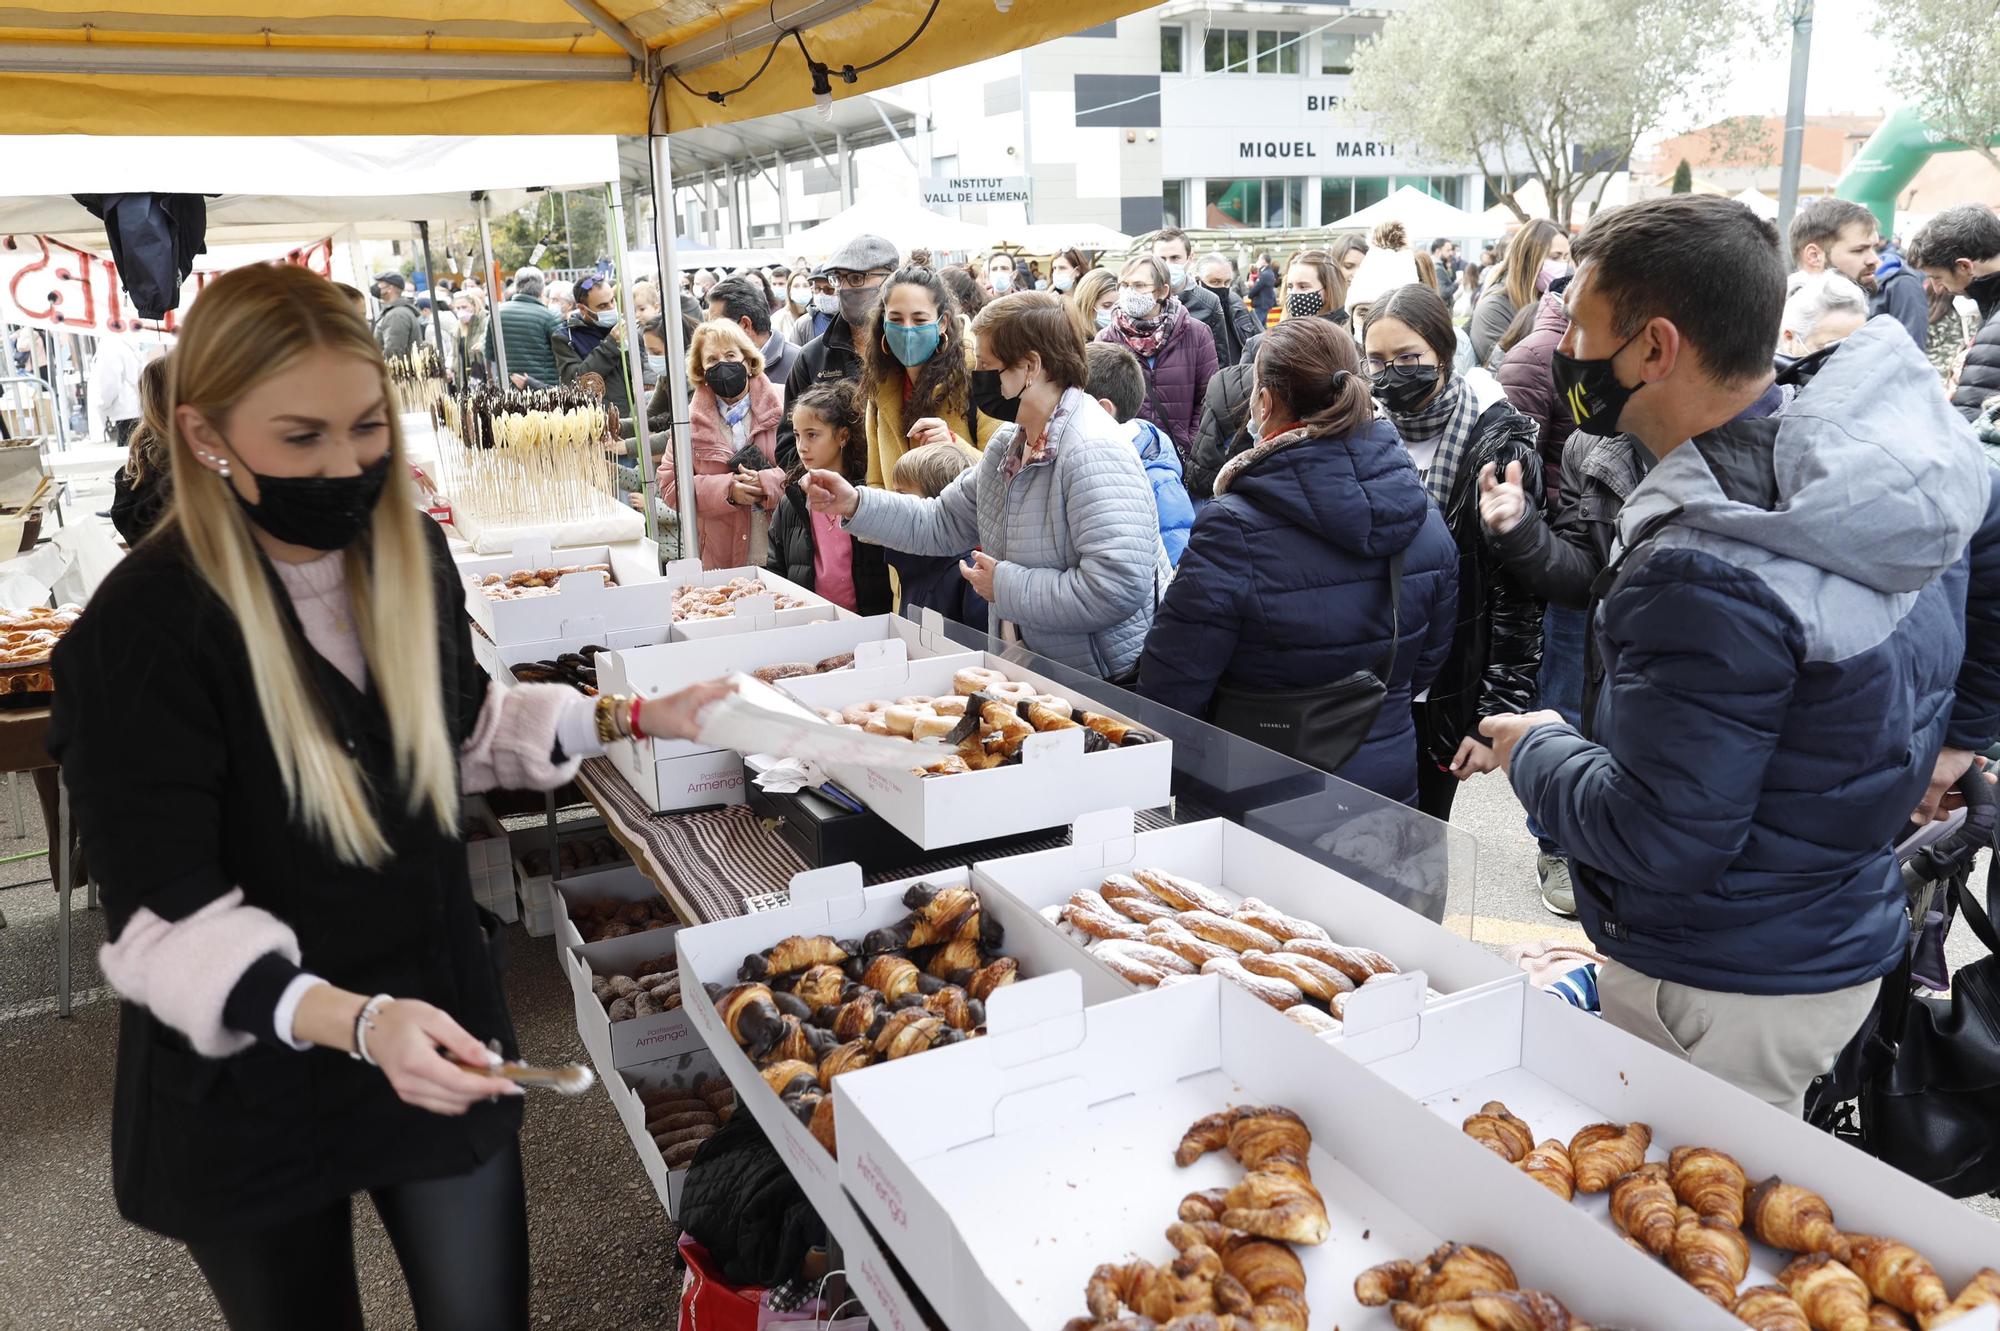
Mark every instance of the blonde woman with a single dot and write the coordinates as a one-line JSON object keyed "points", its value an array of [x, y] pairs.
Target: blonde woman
{"points": [[1538, 254], [269, 714], [1095, 301], [733, 414]]}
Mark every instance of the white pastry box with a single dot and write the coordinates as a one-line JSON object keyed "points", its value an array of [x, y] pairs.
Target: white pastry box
{"points": [[827, 901], [753, 613], [1237, 863], [681, 774], [1561, 1069], [625, 1044], [1053, 783], [1003, 1171], [583, 608], [625, 1087]]}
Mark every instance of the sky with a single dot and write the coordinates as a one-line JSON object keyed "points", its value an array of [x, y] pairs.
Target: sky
{"points": [[1847, 76]]}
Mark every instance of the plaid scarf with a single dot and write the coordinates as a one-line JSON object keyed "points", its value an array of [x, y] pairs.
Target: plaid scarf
{"points": [[1148, 337], [1449, 420]]}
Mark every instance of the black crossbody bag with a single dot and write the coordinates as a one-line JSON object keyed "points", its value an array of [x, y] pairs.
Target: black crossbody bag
{"points": [[1322, 726]]}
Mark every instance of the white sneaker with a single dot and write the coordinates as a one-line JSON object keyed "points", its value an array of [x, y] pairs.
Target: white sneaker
{"points": [[1558, 892]]}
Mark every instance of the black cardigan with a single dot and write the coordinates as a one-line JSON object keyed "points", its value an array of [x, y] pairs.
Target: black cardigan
{"points": [[178, 800]]}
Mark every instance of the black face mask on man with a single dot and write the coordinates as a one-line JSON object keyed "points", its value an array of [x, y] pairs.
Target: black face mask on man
{"points": [[1404, 388], [1590, 389], [318, 512]]}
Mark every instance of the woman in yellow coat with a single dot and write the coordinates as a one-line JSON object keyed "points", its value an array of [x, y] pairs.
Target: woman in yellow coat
{"points": [[916, 381]]}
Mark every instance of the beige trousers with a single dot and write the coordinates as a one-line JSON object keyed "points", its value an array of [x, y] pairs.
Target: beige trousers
{"points": [[1769, 1045]]}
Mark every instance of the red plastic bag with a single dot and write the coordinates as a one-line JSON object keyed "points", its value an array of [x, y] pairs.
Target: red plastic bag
{"points": [[710, 1303]]}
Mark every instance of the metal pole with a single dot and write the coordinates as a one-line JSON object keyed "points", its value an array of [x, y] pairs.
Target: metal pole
{"points": [[670, 285], [430, 276], [495, 292], [1027, 140], [1795, 114], [784, 199], [635, 364], [569, 240], [846, 175]]}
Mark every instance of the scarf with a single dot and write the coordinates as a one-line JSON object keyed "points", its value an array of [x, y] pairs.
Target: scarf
{"points": [[1149, 337], [1449, 420]]}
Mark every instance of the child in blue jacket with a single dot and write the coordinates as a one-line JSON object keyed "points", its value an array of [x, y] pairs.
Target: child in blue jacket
{"points": [[1118, 382]]}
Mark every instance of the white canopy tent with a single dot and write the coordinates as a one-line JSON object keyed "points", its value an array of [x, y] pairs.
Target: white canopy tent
{"points": [[904, 225], [1423, 216], [1759, 203], [1047, 237]]}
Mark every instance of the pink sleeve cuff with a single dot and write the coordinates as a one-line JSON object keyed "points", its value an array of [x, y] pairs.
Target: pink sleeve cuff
{"points": [[184, 970], [513, 746]]}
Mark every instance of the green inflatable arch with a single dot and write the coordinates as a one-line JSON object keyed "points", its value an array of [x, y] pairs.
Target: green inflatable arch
{"points": [[1890, 160]]}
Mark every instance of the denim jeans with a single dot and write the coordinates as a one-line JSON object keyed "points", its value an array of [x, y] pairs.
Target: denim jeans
{"points": [[1561, 679]]}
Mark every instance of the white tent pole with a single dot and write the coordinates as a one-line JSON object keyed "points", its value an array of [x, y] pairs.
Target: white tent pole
{"points": [[635, 361], [784, 196], [670, 288], [495, 291]]}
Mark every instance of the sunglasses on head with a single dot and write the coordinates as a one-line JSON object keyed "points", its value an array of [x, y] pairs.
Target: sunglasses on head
{"points": [[586, 285]]}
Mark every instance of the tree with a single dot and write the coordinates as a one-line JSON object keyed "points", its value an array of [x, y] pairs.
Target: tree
{"points": [[1944, 55], [1683, 178], [1535, 89]]}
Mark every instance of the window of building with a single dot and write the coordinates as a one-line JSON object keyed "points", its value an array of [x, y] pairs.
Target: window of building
{"points": [[1276, 202], [1173, 42], [1277, 52], [1341, 196], [1451, 189], [1226, 51], [1336, 52], [1173, 202]]}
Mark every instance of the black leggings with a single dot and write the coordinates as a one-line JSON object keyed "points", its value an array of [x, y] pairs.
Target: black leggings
{"points": [[462, 1242]]}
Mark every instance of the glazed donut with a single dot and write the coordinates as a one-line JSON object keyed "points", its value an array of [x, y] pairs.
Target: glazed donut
{"points": [[934, 727], [1173, 936], [1143, 909], [1151, 954], [1124, 885], [1316, 978], [876, 724], [1310, 1017], [1092, 914], [901, 718], [1221, 929], [952, 706], [1184, 893], [1126, 968], [1054, 701], [859, 713], [1280, 994], [831, 717], [974, 678], [1356, 963], [1012, 690], [1275, 922]]}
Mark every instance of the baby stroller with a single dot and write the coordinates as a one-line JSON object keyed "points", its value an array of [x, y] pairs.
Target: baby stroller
{"points": [[1917, 1085]]}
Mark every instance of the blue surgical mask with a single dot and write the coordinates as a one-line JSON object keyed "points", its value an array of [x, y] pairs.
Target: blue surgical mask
{"points": [[912, 344], [1002, 280], [1104, 318], [1176, 275], [656, 366], [607, 318]]}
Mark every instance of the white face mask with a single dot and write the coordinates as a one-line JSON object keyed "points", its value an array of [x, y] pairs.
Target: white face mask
{"points": [[801, 294], [1003, 281], [1137, 304], [1176, 276], [1063, 281], [827, 302]]}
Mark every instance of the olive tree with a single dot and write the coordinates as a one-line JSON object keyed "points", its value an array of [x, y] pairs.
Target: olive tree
{"points": [[1535, 89], [1944, 55]]}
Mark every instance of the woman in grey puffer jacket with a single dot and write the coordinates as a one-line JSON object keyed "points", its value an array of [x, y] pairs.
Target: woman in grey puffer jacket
{"points": [[1059, 516]]}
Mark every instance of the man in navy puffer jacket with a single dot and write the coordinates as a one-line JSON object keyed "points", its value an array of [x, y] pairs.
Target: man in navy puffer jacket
{"points": [[1780, 636]]}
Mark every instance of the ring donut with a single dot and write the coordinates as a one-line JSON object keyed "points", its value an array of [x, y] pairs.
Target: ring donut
{"points": [[974, 678], [933, 727], [901, 718]]}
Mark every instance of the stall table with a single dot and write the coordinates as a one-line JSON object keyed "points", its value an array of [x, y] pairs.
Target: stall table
{"points": [[24, 747]]}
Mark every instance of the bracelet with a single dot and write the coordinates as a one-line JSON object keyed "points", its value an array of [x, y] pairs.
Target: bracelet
{"points": [[364, 1022], [606, 716], [632, 722]]}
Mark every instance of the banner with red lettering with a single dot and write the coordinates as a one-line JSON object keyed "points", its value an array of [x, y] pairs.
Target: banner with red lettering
{"points": [[47, 284]]}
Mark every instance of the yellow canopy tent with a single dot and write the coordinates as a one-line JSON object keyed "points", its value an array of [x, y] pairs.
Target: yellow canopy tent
{"points": [[322, 67]]}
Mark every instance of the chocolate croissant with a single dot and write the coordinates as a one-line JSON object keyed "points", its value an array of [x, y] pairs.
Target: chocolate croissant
{"points": [[1497, 1129], [1642, 1205], [1898, 1275], [820, 986], [749, 1015], [789, 955], [1709, 1181], [1796, 1219], [789, 1076], [844, 1058], [1549, 1165], [859, 1018], [1603, 1153], [994, 975], [951, 1006], [891, 976], [934, 915], [794, 1040], [955, 959], [1710, 1254]]}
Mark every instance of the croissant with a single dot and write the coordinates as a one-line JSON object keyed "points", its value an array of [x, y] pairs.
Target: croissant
{"points": [[1603, 1153], [783, 1077], [1388, 1282], [1982, 1289], [993, 975], [1796, 1219], [858, 1018], [821, 1126], [1770, 1308], [1497, 1129], [1185, 1234], [749, 1015], [1278, 1201], [794, 1040], [1267, 1271], [1834, 1298], [1510, 1310], [1709, 1181], [1115, 1284], [956, 957], [1709, 1253], [891, 976], [936, 913], [820, 986], [844, 1058], [1210, 1133], [1269, 1135], [791, 954], [1642, 1205], [1882, 1317], [1456, 1271], [1897, 1275], [1206, 1205], [1549, 1165], [951, 1006]]}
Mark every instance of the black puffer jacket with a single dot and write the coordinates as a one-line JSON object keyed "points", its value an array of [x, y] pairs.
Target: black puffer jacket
{"points": [[792, 547], [1497, 651], [741, 1203], [1980, 379], [826, 359]]}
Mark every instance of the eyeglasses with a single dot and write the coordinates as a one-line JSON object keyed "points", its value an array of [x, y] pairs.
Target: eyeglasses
{"points": [[854, 281], [1408, 360]]}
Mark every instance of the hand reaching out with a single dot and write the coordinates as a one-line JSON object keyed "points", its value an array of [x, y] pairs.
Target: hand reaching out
{"points": [[830, 492], [929, 430], [1502, 504]]}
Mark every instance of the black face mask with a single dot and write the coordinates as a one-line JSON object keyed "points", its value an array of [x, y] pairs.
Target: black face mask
{"points": [[1985, 291], [728, 379], [1405, 388], [318, 512], [1591, 391]]}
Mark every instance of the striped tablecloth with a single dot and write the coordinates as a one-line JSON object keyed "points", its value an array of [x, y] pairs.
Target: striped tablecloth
{"points": [[710, 865]]}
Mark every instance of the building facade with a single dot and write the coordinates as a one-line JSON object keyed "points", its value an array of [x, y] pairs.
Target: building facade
{"points": [[1212, 113]]}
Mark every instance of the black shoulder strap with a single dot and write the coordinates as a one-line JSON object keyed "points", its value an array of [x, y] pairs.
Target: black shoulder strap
{"points": [[1388, 665]]}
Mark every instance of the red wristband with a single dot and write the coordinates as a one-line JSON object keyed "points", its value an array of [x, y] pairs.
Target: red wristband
{"points": [[634, 723]]}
